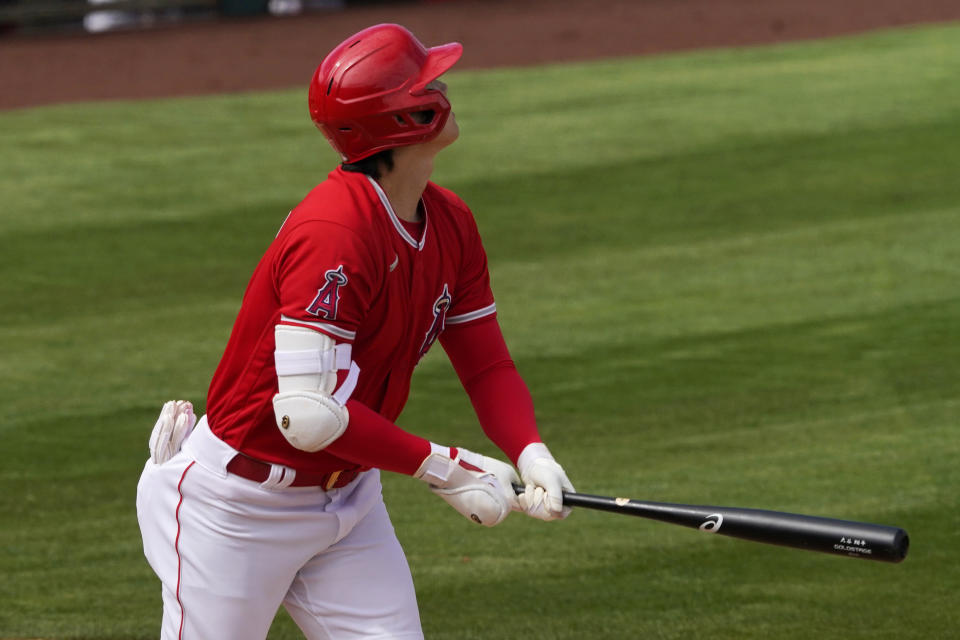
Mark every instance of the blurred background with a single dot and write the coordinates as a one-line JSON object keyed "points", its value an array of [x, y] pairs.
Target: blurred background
{"points": [[67, 50], [95, 16]]}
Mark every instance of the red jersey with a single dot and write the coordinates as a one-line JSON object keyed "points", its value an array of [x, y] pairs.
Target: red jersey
{"points": [[344, 264]]}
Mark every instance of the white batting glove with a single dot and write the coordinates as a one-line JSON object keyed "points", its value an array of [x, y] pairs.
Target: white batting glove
{"points": [[506, 476], [545, 482], [470, 483], [175, 423]]}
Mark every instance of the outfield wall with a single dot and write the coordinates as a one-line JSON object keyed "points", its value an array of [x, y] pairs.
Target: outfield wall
{"points": [[95, 16]]}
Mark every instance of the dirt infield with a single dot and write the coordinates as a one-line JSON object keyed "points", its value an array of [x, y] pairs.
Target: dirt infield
{"points": [[269, 53]]}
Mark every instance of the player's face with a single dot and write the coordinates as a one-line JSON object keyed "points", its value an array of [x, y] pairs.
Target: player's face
{"points": [[450, 131]]}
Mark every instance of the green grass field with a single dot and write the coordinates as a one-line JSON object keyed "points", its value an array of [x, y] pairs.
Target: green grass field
{"points": [[728, 277]]}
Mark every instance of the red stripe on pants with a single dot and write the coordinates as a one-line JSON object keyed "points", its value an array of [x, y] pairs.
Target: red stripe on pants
{"points": [[176, 546]]}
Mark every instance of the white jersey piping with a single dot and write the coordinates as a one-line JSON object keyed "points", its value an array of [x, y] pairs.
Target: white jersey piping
{"points": [[472, 315], [396, 220], [323, 326]]}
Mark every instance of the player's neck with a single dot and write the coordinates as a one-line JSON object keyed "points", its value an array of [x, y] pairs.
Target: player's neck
{"points": [[405, 183]]}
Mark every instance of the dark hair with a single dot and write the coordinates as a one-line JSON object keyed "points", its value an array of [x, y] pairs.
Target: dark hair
{"points": [[373, 165]]}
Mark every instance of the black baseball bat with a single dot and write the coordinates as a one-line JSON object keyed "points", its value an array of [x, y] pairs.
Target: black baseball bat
{"points": [[810, 533]]}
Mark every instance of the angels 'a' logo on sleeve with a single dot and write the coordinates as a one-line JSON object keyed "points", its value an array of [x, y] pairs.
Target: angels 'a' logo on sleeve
{"points": [[327, 300]]}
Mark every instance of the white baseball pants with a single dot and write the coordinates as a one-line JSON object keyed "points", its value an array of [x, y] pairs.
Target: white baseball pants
{"points": [[229, 551]]}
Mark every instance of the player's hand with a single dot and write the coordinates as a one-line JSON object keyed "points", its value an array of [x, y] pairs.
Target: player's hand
{"points": [[175, 423], [545, 482], [469, 482], [506, 476]]}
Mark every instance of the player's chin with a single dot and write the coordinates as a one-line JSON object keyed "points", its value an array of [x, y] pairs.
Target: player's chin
{"points": [[450, 132]]}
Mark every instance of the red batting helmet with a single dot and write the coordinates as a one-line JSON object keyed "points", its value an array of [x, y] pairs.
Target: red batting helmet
{"points": [[363, 94]]}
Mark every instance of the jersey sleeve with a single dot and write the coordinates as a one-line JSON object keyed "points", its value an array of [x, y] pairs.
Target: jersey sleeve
{"points": [[323, 278], [373, 441], [474, 297], [499, 395]]}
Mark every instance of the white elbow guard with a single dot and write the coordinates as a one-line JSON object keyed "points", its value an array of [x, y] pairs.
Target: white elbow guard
{"points": [[310, 411]]}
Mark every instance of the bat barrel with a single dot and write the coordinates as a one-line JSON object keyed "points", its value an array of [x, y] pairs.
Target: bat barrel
{"points": [[828, 535], [811, 533]]}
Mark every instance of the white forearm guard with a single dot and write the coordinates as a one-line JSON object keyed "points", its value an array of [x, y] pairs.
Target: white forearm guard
{"points": [[309, 411]]}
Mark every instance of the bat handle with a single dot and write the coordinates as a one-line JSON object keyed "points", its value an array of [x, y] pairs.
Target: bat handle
{"points": [[519, 488]]}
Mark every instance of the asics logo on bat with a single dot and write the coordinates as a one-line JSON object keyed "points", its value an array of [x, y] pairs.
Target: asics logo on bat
{"points": [[712, 526]]}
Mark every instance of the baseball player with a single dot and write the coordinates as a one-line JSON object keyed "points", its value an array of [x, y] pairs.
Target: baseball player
{"points": [[273, 497]]}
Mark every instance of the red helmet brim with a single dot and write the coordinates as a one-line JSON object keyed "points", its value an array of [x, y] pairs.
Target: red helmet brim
{"points": [[439, 60]]}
